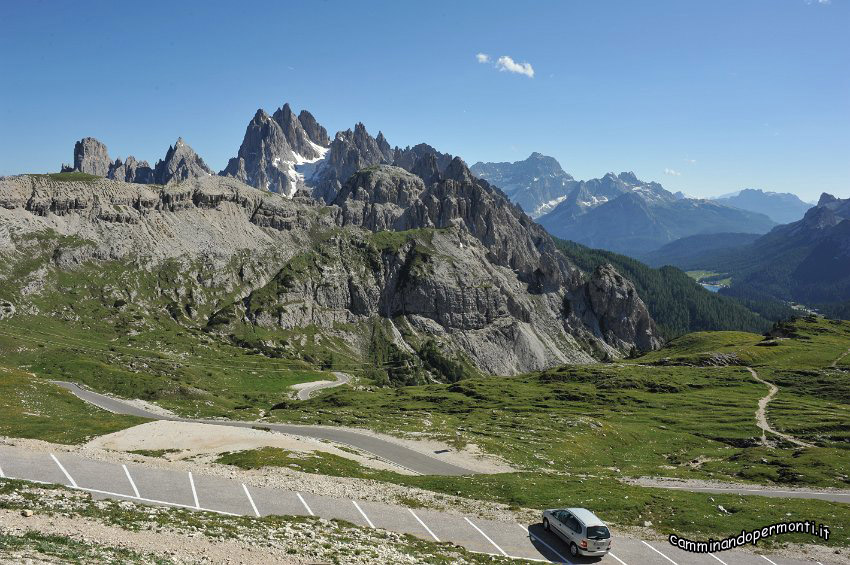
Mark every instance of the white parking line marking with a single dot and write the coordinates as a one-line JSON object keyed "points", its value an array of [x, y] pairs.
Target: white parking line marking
{"points": [[549, 547], [153, 501], [617, 558], [724, 563], [301, 498], [480, 531], [423, 525], [2, 476], [768, 560], [661, 554], [68, 475], [194, 492], [251, 500], [368, 521], [132, 483], [120, 495]]}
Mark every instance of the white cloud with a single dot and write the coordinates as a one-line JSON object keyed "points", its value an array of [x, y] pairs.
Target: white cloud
{"points": [[483, 58], [673, 173], [505, 63]]}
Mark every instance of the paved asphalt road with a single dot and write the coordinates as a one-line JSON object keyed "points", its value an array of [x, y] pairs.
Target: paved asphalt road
{"points": [[414, 460], [833, 496], [392, 452], [308, 389], [229, 496]]}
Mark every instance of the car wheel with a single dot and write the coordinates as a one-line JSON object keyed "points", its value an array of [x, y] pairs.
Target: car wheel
{"points": [[573, 550], [546, 524]]}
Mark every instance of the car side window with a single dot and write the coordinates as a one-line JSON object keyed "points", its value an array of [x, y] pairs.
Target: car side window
{"points": [[561, 516], [573, 524]]}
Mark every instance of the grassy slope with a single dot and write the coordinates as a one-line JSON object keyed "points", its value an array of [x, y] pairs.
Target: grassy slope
{"points": [[125, 331], [33, 408], [576, 430]]}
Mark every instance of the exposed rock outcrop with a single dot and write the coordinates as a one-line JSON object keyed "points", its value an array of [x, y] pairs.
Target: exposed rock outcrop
{"points": [[131, 171], [349, 152], [486, 284], [180, 163], [277, 151], [91, 157], [622, 319], [315, 131]]}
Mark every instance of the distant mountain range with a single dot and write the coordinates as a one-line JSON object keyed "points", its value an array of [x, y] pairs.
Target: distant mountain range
{"points": [[782, 208], [686, 253], [807, 261], [537, 184], [616, 212]]}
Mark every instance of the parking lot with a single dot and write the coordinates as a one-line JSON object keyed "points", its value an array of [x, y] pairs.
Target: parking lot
{"points": [[228, 496]]}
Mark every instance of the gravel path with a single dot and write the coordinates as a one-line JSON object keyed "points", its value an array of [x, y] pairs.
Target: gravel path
{"points": [[840, 357], [306, 390], [761, 414]]}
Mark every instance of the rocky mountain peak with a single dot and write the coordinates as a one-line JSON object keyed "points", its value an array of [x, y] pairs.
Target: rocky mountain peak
{"points": [[274, 146], [349, 152], [180, 163], [296, 136], [629, 178], [131, 170], [826, 199], [316, 132], [91, 157], [458, 171], [427, 168], [383, 144]]}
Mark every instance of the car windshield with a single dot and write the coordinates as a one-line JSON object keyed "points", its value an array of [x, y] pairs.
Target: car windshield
{"points": [[598, 532]]}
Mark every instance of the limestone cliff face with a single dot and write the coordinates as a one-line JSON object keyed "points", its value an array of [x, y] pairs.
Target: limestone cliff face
{"points": [[603, 305], [450, 261]]}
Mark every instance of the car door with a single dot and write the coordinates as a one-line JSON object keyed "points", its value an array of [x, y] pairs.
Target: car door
{"points": [[565, 521], [557, 523]]}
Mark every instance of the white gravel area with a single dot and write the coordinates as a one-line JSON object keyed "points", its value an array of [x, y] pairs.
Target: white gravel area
{"points": [[191, 440]]}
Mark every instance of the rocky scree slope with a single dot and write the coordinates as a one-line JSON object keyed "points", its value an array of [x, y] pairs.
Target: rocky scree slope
{"points": [[469, 274]]}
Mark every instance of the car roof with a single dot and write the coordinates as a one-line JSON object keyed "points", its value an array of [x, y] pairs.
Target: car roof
{"points": [[586, 516]]}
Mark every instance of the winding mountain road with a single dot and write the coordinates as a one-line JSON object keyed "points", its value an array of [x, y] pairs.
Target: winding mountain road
{"points": [[307, 389], [386, 449]]}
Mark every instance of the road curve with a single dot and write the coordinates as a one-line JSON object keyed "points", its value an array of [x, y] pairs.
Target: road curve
{"points": [[307, 389], [387, 450]]}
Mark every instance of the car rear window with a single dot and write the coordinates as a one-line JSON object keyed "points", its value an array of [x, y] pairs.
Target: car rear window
{"points": [[598, 532]]}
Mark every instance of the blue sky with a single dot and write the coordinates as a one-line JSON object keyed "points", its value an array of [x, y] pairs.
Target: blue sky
{"points": [[705, 97]]}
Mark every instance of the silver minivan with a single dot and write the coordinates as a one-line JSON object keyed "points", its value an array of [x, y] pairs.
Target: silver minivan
{"points": [[583, 531]]}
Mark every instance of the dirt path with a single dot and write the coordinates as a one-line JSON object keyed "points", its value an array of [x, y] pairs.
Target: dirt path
{"points": [[305, 390], [840, 357], [761, 414]]}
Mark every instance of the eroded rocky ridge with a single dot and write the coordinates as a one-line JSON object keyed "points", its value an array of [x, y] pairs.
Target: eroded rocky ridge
{"points": [[470, 270], [180, 163]]}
